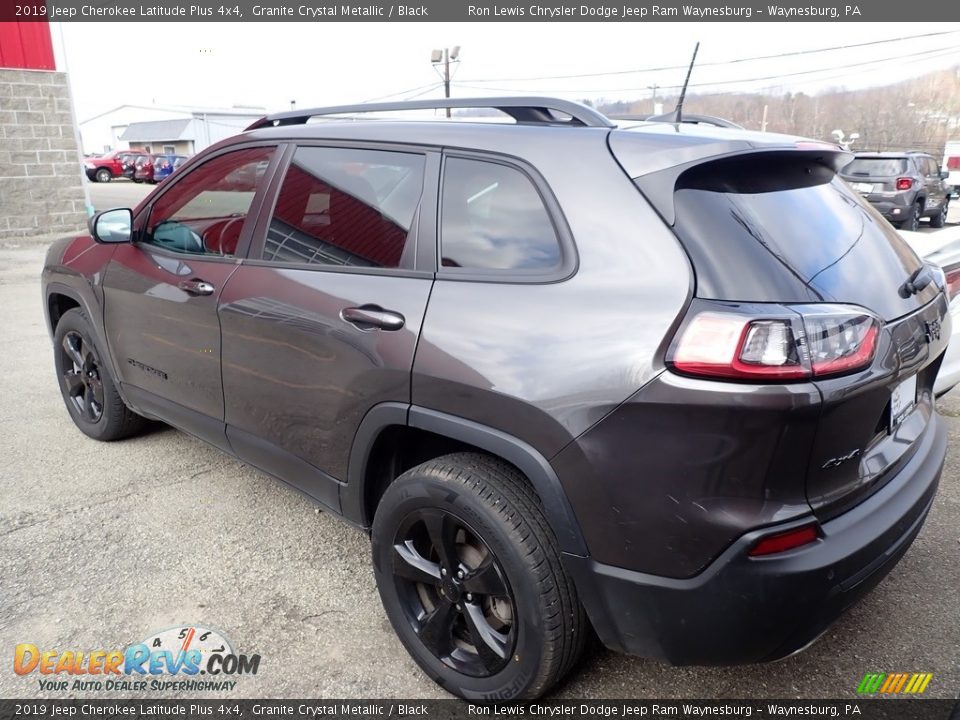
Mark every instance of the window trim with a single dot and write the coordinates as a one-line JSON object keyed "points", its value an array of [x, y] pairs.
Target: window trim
{"points": [[424, 231], [253, 211], [569, 259]]}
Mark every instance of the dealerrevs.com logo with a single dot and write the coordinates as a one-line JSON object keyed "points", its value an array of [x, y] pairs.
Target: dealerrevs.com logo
{"points": [[172, 659]]}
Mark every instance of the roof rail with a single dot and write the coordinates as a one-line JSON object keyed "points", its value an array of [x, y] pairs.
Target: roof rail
{"points": [[525, 110]]}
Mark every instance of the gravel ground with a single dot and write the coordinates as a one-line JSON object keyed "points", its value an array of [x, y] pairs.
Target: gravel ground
{"points": [[102, 544]]}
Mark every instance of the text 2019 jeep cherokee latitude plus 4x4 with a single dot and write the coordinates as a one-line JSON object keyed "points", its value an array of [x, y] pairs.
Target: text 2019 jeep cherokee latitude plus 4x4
{"points": [[669, 381]]}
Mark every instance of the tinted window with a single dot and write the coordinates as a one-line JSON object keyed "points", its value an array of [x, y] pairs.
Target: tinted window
{"points": [[876, 167], [203, 211], [789, 231], [343, 206], [492, 217]]}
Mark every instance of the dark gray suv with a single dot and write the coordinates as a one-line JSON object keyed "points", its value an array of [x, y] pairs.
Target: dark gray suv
{"points": [[903, 187], [667, 383]]}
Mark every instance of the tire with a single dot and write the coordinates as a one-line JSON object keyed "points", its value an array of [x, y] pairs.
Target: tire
{"points": [[103, 175], [88, 389], [137, 181], [912, 223], [940, 219], [470, 576]]}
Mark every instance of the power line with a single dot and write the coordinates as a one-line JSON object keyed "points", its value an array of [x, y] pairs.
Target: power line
{"points": [[945, 52], [430, 86], [715, 63]]}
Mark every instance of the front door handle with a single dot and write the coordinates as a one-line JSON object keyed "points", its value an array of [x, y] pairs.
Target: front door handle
{"points": [[368, 317], [197, 287]]}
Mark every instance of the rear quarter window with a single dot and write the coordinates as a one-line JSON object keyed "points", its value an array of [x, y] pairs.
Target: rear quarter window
{"points": [[493, 218]]}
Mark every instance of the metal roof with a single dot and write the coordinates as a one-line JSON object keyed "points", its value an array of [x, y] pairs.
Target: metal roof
{"points": [[156, 130]]}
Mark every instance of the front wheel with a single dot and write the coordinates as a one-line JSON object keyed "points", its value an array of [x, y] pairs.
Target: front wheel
{"points": [[103, 175], [88, 389], [470, 576]]}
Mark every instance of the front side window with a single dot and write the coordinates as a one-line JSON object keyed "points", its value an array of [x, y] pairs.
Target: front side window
{"points": [[493, 218], [346, 207], [204, 212]]}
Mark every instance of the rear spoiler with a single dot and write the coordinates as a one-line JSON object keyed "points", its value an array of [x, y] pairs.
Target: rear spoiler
{"points": [[659, 186]]}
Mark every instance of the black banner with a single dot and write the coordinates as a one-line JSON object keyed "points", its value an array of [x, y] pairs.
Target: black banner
{"points": [[231, 709], [480, 10]]}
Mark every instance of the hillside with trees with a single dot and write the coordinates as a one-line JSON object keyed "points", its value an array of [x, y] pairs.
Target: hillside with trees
{"points": [[917, 114]]}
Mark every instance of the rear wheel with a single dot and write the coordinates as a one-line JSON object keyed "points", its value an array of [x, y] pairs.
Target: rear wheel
{"points": [[88, 389], [912, 223], [470, 576], [940, 219], [103, 175]]}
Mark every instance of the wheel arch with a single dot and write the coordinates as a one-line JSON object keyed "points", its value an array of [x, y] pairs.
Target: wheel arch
{"points": [[59, 297], [386, 418]]}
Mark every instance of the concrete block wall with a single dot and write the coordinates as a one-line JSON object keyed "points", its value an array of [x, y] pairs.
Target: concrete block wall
{"points": [[41, 185]]}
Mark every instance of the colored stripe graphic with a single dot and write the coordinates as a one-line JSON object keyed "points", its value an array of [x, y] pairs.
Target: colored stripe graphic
{"points": [[894, 683]]}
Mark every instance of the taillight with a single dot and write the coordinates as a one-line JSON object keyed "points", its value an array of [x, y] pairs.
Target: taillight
{"points": [[815, 341], [953, 281], [781, 542], [904, 183]]}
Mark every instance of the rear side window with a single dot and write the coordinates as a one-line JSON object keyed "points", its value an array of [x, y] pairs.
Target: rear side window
{"points": [[876, 167], [346, 207], [493, 218]]}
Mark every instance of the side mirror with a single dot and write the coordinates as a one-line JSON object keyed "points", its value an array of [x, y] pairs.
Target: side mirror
{"points": [[944, 174], [112, 226]]}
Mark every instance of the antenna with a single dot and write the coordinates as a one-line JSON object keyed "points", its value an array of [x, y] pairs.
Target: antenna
{"points": [[678, 113]]}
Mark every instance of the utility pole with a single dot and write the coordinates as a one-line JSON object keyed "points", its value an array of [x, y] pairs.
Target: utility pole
{"points": [[445, 57], [654, 88], [446, 75]]}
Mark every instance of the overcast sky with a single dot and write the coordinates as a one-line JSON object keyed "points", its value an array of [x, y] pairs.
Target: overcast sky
{"points": [[270, 64]]}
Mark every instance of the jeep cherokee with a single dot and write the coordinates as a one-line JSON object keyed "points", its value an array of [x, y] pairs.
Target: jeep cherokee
{"points": [[668, 383]]}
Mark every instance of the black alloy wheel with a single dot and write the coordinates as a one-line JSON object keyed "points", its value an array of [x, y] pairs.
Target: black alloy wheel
{"points": [[81, 376], [471, 578], [454, 592], [89, 390]]}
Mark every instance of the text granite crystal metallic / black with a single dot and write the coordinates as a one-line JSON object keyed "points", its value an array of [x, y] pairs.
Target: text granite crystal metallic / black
{"points": [[664, 382]]}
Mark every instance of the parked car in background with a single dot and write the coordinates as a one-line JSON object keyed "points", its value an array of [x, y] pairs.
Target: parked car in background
{"points": [[106, 167], [943, 248], [164, 165], [680, 390], [128, 161], [903, 186], [951, 165], [143, 169]]}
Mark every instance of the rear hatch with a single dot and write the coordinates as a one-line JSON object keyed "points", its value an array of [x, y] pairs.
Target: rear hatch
{"points": [[780, 228], [876, 178]]}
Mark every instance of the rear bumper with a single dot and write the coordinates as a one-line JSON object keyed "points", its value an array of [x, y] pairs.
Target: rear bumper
{"points": [[741, 609], [894, 209]]}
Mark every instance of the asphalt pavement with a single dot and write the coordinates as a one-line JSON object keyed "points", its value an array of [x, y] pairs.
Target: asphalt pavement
{"points": [[103, 544]]}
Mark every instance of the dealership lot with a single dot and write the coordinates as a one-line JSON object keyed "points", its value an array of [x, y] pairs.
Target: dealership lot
{"points": [[101, 545]]}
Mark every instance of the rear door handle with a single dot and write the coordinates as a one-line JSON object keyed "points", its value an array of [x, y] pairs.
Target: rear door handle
{"points": [[368, 317], [197, 287]]}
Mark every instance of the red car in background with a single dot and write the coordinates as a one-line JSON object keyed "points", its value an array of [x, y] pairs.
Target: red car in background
{"points": [[143, 168], [106, 167]]}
